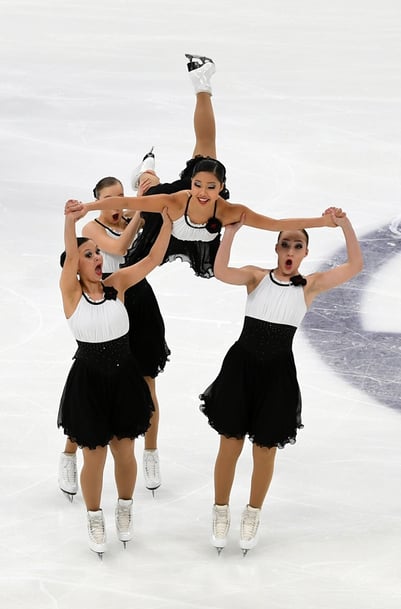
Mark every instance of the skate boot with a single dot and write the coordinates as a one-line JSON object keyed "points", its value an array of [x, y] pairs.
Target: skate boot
{"points": [[97, 532], [201, 70], [68, 475], [124, 520], [148, 162], [249, 528], [151, 469], [221, 525]]}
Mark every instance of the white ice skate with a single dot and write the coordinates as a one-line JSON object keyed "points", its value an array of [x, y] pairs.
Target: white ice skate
{"points": [[250, 520], [148, 162], [97, 532], [124, 520], [68, 475], [201, 70], [151, 469], [220, 526]]}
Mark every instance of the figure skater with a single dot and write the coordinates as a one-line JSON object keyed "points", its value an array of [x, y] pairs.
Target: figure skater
{"points": [[256, 392], [113, 232], [105, 401]]}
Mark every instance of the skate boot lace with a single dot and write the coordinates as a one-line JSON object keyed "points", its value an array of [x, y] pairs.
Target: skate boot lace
{"points": [[70, 472], [151, 466], [123, 518], [249, 525], [221, 522], [96, 529]]}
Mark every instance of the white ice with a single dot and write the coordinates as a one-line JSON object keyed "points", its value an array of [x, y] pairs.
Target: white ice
{"points": [[307, 98]]}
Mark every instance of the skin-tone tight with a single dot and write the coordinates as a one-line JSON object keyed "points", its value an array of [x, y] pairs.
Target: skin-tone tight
{"points": [[224, 471], [125, 470]]}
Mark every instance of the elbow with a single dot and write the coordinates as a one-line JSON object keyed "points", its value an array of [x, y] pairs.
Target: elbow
{"points": [[357, 266], [218, 272]]}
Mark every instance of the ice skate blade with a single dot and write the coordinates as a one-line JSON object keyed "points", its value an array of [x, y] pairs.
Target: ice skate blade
{"points": [[197, 61], [201, 58], [244, 552], [152, 490], [219, 550], [98, 554], [148, 154], [68, 496]]}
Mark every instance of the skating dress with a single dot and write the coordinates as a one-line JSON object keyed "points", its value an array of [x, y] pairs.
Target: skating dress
{"points": [[105, 394], [196, 244], [111, 262], [146, 333], [256, 392]]}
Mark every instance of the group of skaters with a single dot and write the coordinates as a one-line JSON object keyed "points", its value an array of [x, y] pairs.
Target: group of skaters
{"points": [[110, 396]]}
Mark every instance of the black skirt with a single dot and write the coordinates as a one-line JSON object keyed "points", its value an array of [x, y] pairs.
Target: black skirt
{"points": [[105, 395], [147, 331], [256, 392]]}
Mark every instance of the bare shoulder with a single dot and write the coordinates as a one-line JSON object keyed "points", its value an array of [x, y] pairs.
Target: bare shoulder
{"points": [[229, 212], [90, 228], [256, 276]]}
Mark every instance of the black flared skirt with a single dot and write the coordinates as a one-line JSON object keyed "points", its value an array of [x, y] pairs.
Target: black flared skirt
{"points": [[256, 393], [105, 395]]}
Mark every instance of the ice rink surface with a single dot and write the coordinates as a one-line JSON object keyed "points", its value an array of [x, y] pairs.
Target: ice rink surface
{"points": [[307, 99]]}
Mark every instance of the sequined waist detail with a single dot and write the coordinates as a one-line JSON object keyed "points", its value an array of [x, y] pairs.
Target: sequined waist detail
{"points": [[264, 339], [111, 351]]}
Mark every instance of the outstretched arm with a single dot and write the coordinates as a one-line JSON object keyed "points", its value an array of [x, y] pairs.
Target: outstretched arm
{"points": [[155, 203], [128, 276], [232, 213], [320, 282]]}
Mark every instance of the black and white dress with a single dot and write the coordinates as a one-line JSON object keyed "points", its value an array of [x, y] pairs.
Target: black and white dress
{"points": [[105, 394], [196, 244], [256, 392], [146, 325]]}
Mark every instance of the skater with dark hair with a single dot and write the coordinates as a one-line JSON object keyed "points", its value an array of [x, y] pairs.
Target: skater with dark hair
{"points": [[105, 402], [200, 211], [113, 232], [145, 180], [256, 392], [199, 214]]}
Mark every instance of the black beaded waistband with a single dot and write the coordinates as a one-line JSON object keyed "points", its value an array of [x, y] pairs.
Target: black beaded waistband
{"points": [[109, 351], [265, 339]]}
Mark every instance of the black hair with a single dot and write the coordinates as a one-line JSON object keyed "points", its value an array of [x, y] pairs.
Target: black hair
{"points": [[80, 241], [104, 183], [302, 231], [206, 163]]}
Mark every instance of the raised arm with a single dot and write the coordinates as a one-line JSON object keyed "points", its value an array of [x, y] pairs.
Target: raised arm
{"points": [[246, 275], [69, 284], [105, 242], [320, 282], [128, 276]]}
